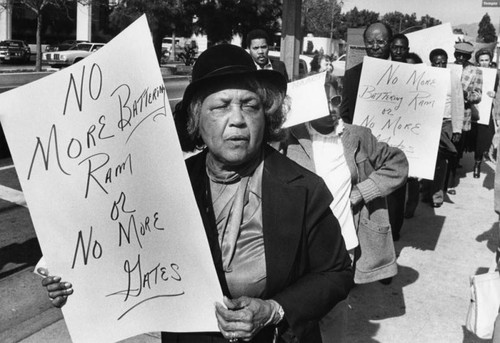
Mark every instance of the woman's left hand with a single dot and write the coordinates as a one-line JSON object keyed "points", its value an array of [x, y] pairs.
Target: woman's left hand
{"points": [[243, 318]]}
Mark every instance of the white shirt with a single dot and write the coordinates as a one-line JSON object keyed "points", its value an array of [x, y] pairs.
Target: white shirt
{"points": [[268, 66], [331, 165]]}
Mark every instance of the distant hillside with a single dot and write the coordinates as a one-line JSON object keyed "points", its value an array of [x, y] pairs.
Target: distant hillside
{"points": [[468, 29]]}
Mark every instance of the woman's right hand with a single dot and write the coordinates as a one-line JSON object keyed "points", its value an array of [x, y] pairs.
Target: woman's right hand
{"points": [[58, 291]]}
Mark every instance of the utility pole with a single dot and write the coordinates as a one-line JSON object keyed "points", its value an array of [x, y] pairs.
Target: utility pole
{"points": [[331, 24], [291, 37]]}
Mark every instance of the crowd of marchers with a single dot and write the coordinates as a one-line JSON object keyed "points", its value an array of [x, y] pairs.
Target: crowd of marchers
{"points": [[295, 217]]}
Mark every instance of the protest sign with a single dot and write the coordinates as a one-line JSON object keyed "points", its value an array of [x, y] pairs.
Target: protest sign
{"points": [[422, 42], [308, 98], [484, 106], [100, 164], [403, 105]]}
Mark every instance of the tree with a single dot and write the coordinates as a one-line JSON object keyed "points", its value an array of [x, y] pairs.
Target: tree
{"points": [[218, 19], [399, 21], [221, 19], [318, 17], [253, 14], [164, 17], [486, 32], [355, 18], [37, 7], [428, 21]]}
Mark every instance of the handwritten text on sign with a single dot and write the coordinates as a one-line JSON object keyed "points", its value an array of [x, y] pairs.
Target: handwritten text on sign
{"points": [[308, 98], [403, 105], [100, 164]]}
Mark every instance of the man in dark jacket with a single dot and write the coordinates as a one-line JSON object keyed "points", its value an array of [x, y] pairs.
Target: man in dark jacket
{"points": [[258, 46], [377, 38]]}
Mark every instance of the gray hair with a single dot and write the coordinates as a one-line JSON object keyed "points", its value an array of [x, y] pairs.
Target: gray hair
{"points": [[275, 103]]}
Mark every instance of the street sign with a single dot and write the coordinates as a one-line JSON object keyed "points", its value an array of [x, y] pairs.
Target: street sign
{"points": [[491, 3]]}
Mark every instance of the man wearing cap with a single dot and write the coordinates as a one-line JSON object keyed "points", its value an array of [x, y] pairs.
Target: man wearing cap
{"points": [[258, 47], [472, 77]]}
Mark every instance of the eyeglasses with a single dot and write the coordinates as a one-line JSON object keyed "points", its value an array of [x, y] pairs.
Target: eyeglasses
{"points": [[378, 42], [336, 100]]}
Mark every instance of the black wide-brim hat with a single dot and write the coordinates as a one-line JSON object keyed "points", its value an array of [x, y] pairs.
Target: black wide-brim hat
{"points": [[226, 61]]}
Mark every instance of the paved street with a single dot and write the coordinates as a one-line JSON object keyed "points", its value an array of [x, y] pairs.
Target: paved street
{"points": [[426, 302]]}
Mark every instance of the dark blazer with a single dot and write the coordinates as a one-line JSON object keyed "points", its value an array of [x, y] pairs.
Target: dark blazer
{"points": [[350, 92], [308, 268], [280, 66]]}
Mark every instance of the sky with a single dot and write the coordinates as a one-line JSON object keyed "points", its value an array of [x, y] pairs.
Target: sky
{"points": [[456, 12]]}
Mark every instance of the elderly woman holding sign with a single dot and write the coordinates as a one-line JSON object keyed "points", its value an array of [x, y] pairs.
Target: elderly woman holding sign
{"points": [[277, 248]]}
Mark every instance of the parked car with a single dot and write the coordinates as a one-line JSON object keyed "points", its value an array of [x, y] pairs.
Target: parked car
{"points": [[65, 45], [68, 57], [339, 66], [304, 63], [166, 48], [166, 43], [14, 50]]}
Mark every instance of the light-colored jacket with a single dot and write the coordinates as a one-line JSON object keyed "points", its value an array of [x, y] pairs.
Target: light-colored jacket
{"points": [[376, 171]]}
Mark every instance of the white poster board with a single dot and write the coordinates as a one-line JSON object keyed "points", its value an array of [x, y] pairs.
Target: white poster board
{"points": [[308, 100], [484, 106], [98, 158], [455, 69], [403, 105], [422, 42]]}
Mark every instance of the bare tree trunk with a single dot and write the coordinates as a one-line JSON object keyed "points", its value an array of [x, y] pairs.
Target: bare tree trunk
{"points": [[173, 49], [38, 64]]}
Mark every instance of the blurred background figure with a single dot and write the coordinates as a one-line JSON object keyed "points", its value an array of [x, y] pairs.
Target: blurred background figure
{"points": [[472, 86], [258, 47], [479, 137], [320, 63], [399, 48], [413, 58], [323, 63], [450, 133]]}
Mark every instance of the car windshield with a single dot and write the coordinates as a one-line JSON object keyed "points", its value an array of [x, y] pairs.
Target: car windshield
{"points": [[83, 46]]}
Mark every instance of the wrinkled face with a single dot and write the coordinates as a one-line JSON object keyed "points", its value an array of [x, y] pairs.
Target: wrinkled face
{"points": [[376, 42], [484, 61], [399, 49], [232, 126], [439, 61], [259, 51]]}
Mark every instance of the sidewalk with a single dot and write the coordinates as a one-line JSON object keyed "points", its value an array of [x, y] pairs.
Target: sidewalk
{"points": [[439, 249], [427, 301]]}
